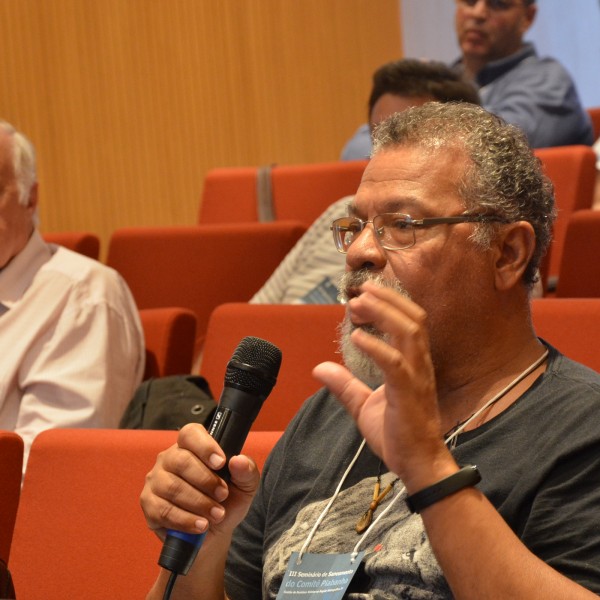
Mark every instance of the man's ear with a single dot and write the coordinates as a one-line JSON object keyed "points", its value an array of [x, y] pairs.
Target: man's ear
{"points": [[529, 18], [514, 245], [32, 200]]}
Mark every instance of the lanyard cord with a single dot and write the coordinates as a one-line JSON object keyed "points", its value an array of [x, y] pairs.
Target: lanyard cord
{"points": [[447, 441], [331, 501], [497, 397]]}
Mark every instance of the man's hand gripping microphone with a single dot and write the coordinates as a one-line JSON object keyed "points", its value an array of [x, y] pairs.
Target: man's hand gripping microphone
{"points": [[250, 377]]}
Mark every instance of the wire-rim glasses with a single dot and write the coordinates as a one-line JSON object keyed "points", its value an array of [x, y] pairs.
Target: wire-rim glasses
{"points": [[396, 231]]}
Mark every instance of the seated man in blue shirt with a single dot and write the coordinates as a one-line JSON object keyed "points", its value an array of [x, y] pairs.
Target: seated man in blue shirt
{"points": [[536, 94]]}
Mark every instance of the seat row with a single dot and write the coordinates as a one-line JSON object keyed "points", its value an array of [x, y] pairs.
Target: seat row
{"points": [[237, 198], [281, 192], [78, 527], [308, 334], [198, 268]]}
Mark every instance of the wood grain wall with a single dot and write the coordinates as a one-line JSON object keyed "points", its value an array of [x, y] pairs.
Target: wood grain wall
{"points": [[130, 102]]}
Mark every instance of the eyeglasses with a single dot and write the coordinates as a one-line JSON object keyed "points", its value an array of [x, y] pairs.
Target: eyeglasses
{"points": [[497, 5], [396, 231]]}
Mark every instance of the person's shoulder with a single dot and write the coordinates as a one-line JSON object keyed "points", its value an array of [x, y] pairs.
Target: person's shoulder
{"points": [[574, 378], [572, 369], [545, 68], [358, 147], [555, 68], [545, 82], [79, 266], [86, 274], [562, 403]]}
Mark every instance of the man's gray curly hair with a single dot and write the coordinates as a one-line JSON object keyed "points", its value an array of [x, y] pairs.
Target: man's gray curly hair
{"points": [[502, 177]]}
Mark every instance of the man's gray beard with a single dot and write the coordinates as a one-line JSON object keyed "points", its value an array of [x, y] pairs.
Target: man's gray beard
{"points": [[362, 366]]}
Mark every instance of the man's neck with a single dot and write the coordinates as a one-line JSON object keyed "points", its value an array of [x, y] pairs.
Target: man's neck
{"points": [[472, 66], [485, 375]]}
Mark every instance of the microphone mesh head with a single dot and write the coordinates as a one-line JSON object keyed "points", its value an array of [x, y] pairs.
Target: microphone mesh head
{"points": [[254, 366]]}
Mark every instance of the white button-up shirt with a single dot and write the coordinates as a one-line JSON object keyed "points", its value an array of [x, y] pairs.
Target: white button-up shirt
{"points": [[71, 342]]}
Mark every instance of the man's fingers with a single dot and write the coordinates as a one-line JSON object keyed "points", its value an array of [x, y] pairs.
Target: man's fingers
{"points": [[402, 320], [343, 385], [244, 474], [161, 513]]}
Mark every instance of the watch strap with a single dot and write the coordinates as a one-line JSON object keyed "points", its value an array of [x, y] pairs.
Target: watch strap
{"points": [[467, 476]]}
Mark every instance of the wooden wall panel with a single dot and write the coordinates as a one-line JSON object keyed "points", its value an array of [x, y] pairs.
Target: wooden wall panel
{"points": [[129, 102]]}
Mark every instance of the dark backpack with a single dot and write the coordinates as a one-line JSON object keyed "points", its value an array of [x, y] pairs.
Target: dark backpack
{"points": [[169, 403], [7, 591]]}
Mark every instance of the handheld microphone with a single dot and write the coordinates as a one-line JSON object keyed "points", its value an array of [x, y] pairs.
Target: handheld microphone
{"points": [[250, 376]]}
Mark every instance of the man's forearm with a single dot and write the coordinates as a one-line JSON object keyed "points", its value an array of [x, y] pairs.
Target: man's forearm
{"points": [[482, 558]]}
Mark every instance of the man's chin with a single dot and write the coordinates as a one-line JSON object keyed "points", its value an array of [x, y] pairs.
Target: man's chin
{"points": [[358, 363], [362, 366], [474, 48]]}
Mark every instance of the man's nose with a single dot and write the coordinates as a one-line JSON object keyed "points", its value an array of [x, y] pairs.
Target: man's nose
{"points": [[480, 9], [365, 252]]}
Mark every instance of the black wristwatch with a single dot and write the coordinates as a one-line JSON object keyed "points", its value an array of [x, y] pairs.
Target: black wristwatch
{"points": [[466, 477]]}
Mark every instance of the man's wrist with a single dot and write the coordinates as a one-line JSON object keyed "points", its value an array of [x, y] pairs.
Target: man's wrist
{"points": [[467, 476]]}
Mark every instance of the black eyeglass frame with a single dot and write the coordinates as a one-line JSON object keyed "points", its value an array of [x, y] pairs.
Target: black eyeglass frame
{"points": [[408, 220]]}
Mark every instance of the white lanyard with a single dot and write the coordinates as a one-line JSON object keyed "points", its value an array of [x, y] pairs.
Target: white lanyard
{"points": [[447, 441]]}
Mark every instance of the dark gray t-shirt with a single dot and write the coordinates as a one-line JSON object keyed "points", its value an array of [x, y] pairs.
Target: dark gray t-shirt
{"points": [[540, 467]]}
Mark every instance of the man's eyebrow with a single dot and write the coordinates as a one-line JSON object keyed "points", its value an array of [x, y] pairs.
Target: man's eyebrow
{"points": [[396, 205]]}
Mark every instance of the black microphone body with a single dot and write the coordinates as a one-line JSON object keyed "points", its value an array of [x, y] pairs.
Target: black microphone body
{"points": [[250, 377], [231, 423]]}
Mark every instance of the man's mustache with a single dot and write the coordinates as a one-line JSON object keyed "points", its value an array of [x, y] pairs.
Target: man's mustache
{"points": [[351, 281]]}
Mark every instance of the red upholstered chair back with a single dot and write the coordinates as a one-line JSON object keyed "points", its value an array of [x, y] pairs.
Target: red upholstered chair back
{"points": [[229, 196], [305, 334], [572, 170], [80, 532], [594, 113], [572, 325], [579, 274], [84, 242], [11, 470], [199, 267], [169, 336], [303, 192], [297, 192]]}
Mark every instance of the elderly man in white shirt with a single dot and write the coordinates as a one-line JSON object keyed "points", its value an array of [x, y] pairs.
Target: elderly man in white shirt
{"points": [[72, 343]]}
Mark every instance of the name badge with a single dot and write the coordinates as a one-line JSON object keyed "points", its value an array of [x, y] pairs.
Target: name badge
{"points": [[318, 576]]}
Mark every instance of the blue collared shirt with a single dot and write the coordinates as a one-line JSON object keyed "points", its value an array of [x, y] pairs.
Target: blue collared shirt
{"points": [[536, 94]]}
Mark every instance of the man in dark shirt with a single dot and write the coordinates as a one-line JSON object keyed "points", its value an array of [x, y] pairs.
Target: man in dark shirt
{"points": [[443, 372]]}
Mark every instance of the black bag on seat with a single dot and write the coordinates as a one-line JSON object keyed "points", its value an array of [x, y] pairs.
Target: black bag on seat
{"points": [[170, 403]]}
